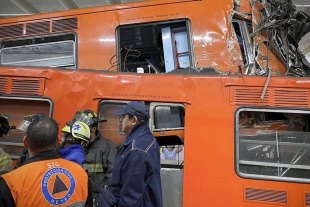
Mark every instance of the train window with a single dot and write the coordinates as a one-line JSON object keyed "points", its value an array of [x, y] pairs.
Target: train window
{"points": [[273, 144], [242, 30], [157, 47], [14, 109], [112, 128], [168, 117], [54, 51]]}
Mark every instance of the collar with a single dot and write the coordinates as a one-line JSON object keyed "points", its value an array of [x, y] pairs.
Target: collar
{"points": [[136, 132], [45, 155]]}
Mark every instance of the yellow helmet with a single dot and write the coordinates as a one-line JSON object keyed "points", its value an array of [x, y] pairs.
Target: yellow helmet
{"points": [[80, 130], [66, 129]]}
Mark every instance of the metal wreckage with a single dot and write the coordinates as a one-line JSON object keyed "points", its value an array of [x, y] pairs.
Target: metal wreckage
{"points": [[272, 38], [277, 44]]}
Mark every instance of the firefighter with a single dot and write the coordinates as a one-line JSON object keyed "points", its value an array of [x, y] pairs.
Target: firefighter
{"points": [[45, 179], [6, 163], [100, 152], [23, 126], [75, 137]]}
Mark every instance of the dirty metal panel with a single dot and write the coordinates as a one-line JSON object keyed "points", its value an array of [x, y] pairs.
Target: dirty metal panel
{"points": [[22, 86], [251, 96], [266, 195]]}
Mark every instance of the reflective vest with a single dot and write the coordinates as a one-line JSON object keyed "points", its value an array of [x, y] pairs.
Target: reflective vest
{"points": [[6, 163], [55, 182]]}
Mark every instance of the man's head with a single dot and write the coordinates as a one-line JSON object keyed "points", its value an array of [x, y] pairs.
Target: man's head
{"points": [[132, 114], [42, 135], [4, 126]]}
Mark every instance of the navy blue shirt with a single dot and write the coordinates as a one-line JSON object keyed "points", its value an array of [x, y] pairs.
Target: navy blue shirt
{"points": [[136, 173]]}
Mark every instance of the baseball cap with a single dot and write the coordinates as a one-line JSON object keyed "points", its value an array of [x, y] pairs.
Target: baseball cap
{"points": [[134, 108]]}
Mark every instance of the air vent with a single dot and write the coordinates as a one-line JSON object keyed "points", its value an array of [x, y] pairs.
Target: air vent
{"points": [[250, 96], [3, 85], [23, 86], [37, 28], [262, 195], [65, 24], [307, 198], [289, 98], [11, 31]]}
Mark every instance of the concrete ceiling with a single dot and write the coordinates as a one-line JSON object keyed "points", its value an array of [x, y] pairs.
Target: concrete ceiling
{"points": [[10, 8]]}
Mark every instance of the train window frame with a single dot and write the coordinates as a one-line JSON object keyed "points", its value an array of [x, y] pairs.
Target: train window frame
{"points": [[264, 153], [38, 44], [14, 140], [166, 136], [242, 29], [142, 54]]}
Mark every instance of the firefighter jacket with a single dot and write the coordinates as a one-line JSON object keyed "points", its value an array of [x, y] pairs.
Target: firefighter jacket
{"points": [[6, 163], [100, 156], [45, 180], [136, 175]]}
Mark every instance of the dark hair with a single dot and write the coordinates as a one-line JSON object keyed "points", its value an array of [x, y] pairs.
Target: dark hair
{"points": [[4, 126], [42, 133], [141, 121]]}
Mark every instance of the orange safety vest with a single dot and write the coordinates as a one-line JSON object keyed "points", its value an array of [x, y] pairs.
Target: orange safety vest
{"points": [[55, 182]]}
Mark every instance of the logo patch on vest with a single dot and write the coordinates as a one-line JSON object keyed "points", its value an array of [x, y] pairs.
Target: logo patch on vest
{"points": [[57, 185]]}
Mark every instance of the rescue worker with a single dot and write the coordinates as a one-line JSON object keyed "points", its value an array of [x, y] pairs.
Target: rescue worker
{"points": [[45, 179], [100, 152], [6, 163], [75, 137], [136, 178], [23, 126]]}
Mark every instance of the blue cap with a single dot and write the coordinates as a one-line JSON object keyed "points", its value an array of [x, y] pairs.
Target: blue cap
{"points": [[134, 108]]}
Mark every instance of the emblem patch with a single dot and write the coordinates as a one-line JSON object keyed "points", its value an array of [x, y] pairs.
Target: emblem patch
{"points": [[57, 185]]}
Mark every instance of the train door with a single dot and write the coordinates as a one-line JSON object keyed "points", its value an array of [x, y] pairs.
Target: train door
{"points": [[167, 124]]}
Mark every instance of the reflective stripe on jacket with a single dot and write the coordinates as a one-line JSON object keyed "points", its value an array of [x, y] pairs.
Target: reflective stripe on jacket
{"points": [[100, 156], [95, 168], [6, 163]]}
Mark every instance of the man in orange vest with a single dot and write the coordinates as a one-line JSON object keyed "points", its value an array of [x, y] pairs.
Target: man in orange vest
{"points": [[45, 179]]}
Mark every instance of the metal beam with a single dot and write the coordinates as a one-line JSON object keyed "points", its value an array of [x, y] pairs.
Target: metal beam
{"points": [[69, 4], [116, 1], [25, 6]]}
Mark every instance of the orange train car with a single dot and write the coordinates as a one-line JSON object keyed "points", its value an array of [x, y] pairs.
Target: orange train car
{"points": [[242, 124], [253, 152]]}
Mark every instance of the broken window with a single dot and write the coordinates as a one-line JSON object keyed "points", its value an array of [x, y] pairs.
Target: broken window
{"points": [[242, 31], [158, 47], [45, 51], [273, 144]]}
